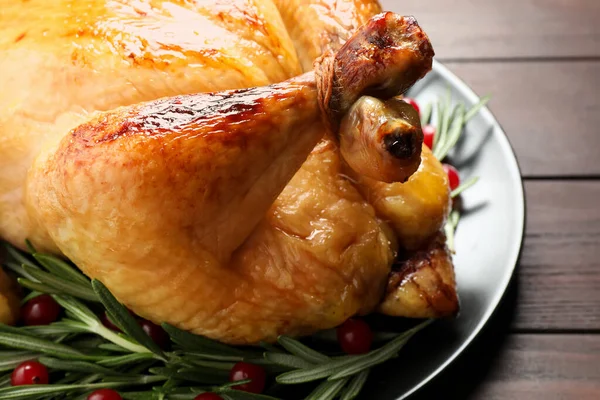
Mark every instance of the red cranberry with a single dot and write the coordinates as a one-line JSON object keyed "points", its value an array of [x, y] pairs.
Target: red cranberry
{"points": [[428, 135], [104, 394], [208, 396], [453, 177], [243, 370], [157, 333], [355, 336], [30, 373], [41, 310]]}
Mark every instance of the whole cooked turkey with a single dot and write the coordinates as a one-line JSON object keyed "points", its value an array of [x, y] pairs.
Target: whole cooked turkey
{"points": [[233, 213]]}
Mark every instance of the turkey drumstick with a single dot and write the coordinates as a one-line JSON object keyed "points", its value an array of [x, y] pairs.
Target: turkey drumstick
{"points": [[416, 209]]}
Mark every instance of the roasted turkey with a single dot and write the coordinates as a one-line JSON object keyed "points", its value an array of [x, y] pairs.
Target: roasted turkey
{"points": [[238, 168]]}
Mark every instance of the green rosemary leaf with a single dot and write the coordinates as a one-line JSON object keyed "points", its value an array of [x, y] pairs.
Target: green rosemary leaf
{"points": [[82, 396], [318, 372], [288, 360], [63, 337], [125, 359], [135, 380], [62, 269], [301, 350], [31, 295], [113, 347], [371, 359], [189, 341], [355, 385], [30, 246], [444, 131], [38, 287], [464, 186], [5, 380], [240, 395], [17, 255], [78, 309], [124, 319], [456, 128], [75, 366], [450, 229], [10, 360], [438, 124], [183, 394], [71, 377], [223, 365], [454, 217], [214, 357], [345, 366], [426, 114], [228, 385], [327, 390], [475, 109], [19, 341], [56, 328], [271, 348], [138, 395], [329, 336], [378, 356], [17, 269], [17, 331], [33, 391], [168, 372], [61, 285]]}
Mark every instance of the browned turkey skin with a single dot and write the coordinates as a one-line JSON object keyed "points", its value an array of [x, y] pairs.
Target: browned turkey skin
{"points": [[189, 208]]}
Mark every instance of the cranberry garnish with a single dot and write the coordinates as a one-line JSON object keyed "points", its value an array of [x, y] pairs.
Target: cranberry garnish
{"points": [[41, 310], [29, 373], [243, 370], [428, 134], [104, 394], [157, 333], [208, 396], [355, 336], [453, 177]]}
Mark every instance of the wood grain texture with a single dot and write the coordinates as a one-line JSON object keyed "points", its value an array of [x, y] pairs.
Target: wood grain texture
{"points": [[525, 366], [550, 111], [480, 29], [559, 273]]}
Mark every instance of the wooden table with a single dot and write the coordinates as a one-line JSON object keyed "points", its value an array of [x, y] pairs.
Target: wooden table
{"points": [[540, 59]]}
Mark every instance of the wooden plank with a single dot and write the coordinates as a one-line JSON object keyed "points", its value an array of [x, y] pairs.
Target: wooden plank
{"points": [[550, 111], [524, 366], [558, 285], [475, 29]]}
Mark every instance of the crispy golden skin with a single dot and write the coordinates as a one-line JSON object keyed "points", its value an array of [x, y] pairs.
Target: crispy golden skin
{"points": [[253, 264], [61, 60], [422, 284]]}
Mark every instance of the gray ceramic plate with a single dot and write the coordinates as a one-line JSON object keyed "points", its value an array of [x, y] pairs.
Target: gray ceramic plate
{"points": [[488, 242]]}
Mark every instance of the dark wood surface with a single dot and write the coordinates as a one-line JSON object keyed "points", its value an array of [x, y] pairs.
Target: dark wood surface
{"points": [[540, 59]]}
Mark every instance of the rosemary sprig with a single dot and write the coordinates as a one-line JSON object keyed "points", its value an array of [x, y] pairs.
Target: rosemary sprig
{"points": [[112, 360], [84, 355], [451, 122]]}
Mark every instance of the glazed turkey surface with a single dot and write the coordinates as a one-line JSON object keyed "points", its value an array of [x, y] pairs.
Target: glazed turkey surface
{"points": [[240, 225]]}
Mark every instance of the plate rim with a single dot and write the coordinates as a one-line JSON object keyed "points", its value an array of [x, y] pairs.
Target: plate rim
{"points": [[514, 169]]}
